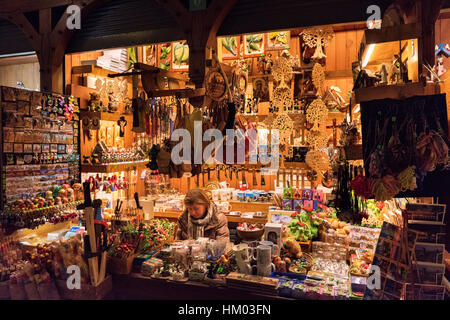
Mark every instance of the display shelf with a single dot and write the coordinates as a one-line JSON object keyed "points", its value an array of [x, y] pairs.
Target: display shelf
{"points": [[394, 33], [112, 167], [179, 93], [165, 73], [250, 206], [434, 223], [173, 214], [293, 165], [293, 115], [107, 116], [399, 91], [92, 69]]}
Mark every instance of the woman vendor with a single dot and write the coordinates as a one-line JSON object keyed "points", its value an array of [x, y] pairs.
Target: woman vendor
{"points": [[201, 218]]}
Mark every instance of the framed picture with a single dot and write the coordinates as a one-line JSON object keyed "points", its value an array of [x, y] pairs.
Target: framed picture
{"points": [[61, 148], [7, 147], [18, 148], [261, 89], [54, 148], [254, 45], [180, 56], [28, 148], [36, 148], [164, 56], [45, 148], [150, 54], [278, 40], [230, 47]]}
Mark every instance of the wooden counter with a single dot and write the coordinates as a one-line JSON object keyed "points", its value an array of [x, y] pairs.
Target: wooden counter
{"points": [[137, 287]]}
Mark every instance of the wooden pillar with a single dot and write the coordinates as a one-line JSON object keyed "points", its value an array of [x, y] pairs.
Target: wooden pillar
{"points": [[200, 29], [49, 43]]}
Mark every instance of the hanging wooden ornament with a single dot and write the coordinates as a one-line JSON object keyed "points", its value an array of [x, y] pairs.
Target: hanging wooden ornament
{"points": [[318, 78], [317, 160], [318, 37], [282, 70], [317, 113], [281, 97], [317, 139]]}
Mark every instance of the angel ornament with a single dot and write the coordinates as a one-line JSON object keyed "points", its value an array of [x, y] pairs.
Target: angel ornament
{"points": [[318, 37]]}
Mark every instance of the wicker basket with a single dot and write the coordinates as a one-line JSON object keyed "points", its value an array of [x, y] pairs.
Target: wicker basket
{"points": [[120, 266]]}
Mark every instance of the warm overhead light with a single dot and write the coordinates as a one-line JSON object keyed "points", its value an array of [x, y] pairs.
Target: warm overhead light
{"points": [[368, 54]]}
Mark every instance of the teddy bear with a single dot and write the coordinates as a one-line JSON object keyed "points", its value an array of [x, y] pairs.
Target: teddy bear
{"points": [[290, 245], [280, 264], [293, 248]]}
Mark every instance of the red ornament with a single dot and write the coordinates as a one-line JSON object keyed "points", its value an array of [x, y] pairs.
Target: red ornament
{"points": [[361, 186], [380, 205]]}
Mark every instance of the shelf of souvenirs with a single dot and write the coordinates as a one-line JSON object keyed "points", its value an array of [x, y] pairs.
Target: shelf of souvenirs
{"points": [[334, 114], [174, 214], [20, 207], [395, 91], [112, 167], [107, 116]]}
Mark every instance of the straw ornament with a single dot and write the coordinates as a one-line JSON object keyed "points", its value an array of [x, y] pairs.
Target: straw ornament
{"points": [[317, 113], [317, 139], [318, 78], [317, 160]]}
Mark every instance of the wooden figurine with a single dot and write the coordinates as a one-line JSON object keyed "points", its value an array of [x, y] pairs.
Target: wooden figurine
{"points": [[94, 101], [268, 64]]}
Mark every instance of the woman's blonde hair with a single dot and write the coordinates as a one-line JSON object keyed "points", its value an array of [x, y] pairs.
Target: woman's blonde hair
{"points": [[196, 196]]}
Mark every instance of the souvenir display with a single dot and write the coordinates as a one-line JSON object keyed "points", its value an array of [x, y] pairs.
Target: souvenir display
{"points": [[285, 164], [41, 161]]}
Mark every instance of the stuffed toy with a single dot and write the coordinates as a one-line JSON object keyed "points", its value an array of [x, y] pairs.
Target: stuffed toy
{"points": [[293, 248], [280, 264], [290, 245], [78, 191]]}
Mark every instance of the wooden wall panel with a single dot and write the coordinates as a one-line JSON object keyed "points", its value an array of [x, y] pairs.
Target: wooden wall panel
{"points": [[27, 73]]}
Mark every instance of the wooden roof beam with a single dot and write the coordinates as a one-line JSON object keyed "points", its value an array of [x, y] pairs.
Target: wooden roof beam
{"points": [[20, 6]]}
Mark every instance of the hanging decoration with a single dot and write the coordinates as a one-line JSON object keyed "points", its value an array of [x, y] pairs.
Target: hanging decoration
{"points": [[406, 147], [282, 70], [318, 78], [316, 113], [317, 139], [282, 74], [318, 37], [283, 123], [117, 87], [281, 97], [318, 161]]}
